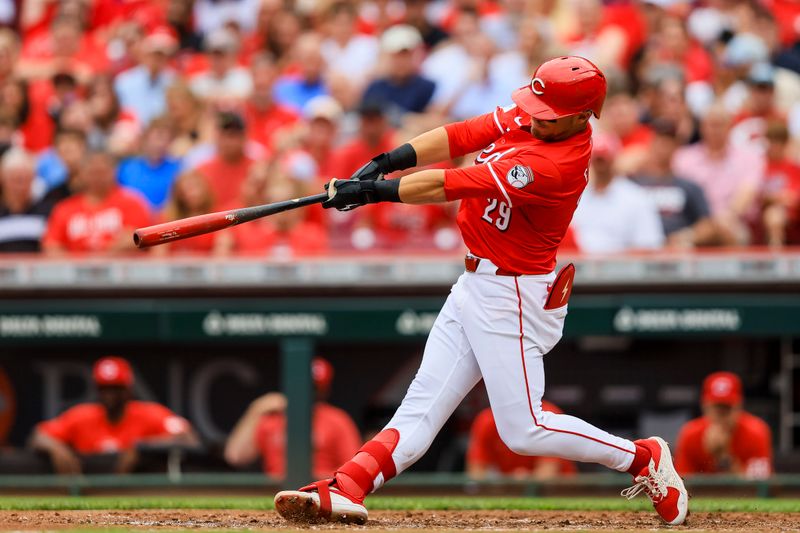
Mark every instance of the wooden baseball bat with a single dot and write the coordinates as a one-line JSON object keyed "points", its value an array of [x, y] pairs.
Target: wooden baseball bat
{"points": [[201, 224]]}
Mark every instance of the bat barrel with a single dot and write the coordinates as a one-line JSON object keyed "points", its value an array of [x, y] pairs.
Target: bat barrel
{"points": [[199, 225]]}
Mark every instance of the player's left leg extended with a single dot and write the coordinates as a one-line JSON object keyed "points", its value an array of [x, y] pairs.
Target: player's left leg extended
{"points": [[448, 372], [510, 331]]}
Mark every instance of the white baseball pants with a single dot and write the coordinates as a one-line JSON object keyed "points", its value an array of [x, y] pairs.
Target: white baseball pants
{"points": [[496, 327]]}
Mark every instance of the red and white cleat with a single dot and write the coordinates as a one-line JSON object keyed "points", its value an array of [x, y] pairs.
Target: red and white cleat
{"points": [[320, 502], [661, 482]]}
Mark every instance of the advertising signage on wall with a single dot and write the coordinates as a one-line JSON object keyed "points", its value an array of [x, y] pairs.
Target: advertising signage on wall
{"points": [[363, 319]]}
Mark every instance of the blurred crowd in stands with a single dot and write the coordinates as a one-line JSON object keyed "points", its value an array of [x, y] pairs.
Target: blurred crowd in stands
{"points": [[115, 114]]}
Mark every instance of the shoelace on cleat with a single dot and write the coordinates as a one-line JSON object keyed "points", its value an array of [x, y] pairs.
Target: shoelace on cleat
{"points": [[654, 485]]}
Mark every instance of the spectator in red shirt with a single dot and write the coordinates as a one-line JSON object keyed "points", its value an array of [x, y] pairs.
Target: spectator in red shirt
{"points": [[116, 423], [263, 115], [98, 219], [375, 136], [262, 431], [226, 171], [726, 439], [488, 454], [780, 194]]}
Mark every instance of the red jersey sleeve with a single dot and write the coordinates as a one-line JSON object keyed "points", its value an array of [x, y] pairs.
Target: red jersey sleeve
{"points": [[688, 455], [349, 441], [480, 437], [524, 178], [757, 463], [478, 132], [62, 427], [162, 421]]}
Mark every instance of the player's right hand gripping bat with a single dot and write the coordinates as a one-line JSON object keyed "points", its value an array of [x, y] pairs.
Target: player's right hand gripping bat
{"points": [[193, 226]]}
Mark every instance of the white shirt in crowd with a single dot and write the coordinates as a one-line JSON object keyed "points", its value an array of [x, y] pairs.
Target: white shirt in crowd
{"points": [[619, 218], [237, 83], [356, 60]]}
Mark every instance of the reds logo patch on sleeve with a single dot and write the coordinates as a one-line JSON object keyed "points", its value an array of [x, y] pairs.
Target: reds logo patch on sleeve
{"points": [[519, 176]]}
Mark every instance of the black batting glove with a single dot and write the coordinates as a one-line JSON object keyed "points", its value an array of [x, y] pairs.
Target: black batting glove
{"points": [[346, 195], [400, 158], [369, 172]]}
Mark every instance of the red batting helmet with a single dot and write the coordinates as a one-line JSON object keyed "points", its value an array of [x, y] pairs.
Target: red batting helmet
{"points": [[561, 87]]}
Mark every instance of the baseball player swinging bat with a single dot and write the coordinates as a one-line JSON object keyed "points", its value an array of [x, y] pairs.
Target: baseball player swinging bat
{"points": [[201, 224]]}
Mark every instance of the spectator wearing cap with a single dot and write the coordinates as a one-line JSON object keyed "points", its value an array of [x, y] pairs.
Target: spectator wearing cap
{"points": [[142, 88], [488, 455], [402, 87], [780, 194], [729, 176], [685, 215], [116, 423], [153, 170], [750, 124], [265, 118], [295, 90], [225, 81], [347, 53], [726, 438], [101, 217], [23, 217], [226, 170], [614, 215], [261, 432], [374, 136], [322, 116]]}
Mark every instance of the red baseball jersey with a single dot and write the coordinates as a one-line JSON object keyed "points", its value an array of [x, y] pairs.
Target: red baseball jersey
{"points": [[750, 448], [87, 430], [81, 226], [334, 435], [519, 197], [487, 449]]}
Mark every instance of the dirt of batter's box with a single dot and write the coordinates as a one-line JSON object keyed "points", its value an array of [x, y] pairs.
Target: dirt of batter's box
{"points": [[549, 521]]}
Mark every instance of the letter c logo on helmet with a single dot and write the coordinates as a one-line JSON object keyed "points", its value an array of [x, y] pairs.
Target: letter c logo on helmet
{"points": [[533, 86]]}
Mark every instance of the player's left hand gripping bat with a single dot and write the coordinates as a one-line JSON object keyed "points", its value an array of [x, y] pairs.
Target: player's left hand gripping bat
{"points": [[193, 226]]}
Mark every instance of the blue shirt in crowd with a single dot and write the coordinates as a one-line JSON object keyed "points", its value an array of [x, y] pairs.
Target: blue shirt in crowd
{"points": [[153, 181], [143, 94], [296, 93], [413, 95], [51, 170]]}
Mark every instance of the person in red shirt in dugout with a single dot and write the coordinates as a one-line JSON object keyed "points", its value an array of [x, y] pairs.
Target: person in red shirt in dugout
{"points": [[726, 439], [488, 454], [261, 432], [116, 423]]}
